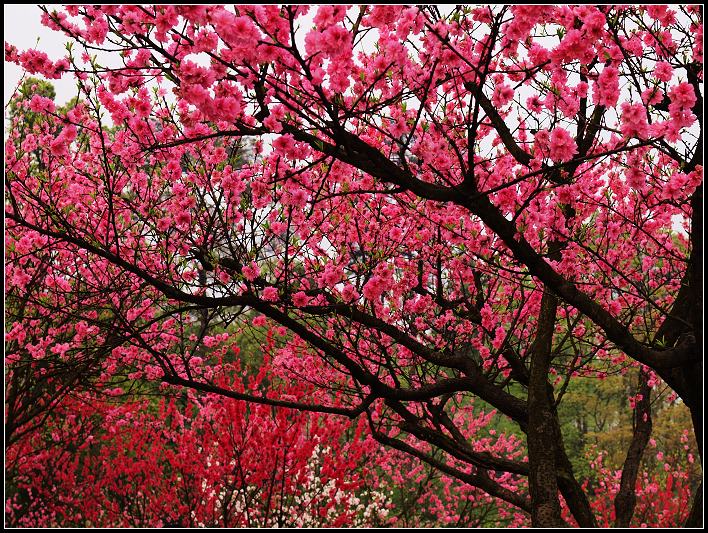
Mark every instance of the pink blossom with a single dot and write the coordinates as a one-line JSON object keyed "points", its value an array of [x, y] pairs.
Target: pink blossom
{"points": [[278, 227], [331, 275], [381, 15], [634, 121], [298, 197], [60, 145], [683, 98], [300, 299], [499, 336], [534, 103], [562, 147], [524, 19], [652, 96], [606, 89], [661, 13], [698, 47], [593, 23], [349, 293], [538, 54], [682, 95], [329, 14], [502, 95], [270, 294], [205, 41], [335, 42], [663, 71], [61, 349], [251, 272], [20, 278], [40, 104], [183, 218], [374, 288], [285, 145], [541, 143], [163, 224], [239, 31], [97, 30], [37, 62], [635, 177]]}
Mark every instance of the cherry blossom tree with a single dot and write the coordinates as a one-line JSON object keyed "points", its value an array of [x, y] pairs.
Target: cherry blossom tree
{"points": [[195, 461], [436, 214]]}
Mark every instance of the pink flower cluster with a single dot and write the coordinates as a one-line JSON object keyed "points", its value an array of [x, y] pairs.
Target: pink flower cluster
{"points": [[37, 62], [683, 98], [634, 121], [606, 90], [378, 284], [562, 145], [60, 145]]}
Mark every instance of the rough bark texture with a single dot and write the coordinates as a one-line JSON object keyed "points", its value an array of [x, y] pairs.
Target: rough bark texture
{"points": [[626, 498], [542, 433], [572, 491]]}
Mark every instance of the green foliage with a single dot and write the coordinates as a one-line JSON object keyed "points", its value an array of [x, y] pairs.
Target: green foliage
{"points": [[596, 415], [26, 91]]}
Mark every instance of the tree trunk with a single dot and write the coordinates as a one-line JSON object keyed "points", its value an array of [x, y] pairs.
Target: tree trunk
{"points": [[626, 498], [572, 491], [542, 435], [695, 517]]}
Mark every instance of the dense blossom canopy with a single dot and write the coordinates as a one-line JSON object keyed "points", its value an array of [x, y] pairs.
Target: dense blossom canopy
{"points": [[424, 221]]}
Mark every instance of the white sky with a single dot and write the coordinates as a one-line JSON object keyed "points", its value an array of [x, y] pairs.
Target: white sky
{"points": [[22, 28]]}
